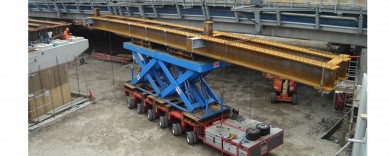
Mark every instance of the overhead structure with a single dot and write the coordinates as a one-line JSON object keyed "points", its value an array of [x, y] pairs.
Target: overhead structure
{"points": [[340, 22], [319, 69]]}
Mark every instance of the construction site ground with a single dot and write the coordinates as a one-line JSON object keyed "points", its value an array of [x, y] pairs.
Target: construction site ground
{"points": [[110, 128]]}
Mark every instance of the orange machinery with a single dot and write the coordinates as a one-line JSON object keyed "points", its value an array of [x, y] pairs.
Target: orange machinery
{"points": [[284, 89]]}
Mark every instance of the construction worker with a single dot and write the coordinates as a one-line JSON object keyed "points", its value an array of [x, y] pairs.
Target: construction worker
{"points": [[66, 34]]}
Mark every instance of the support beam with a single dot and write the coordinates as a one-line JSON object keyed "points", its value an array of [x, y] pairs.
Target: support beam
{"points": [[109, 9], [236, 17], [155, 11], [204, 12], [325, 33], [128, 10], [258, 26], [48, 6], [65, 7], [319, 69], [57, 9], [39, 8], [113, 8], [120, 10], [360, 29], [78, 7], [92, 5], [141, 11], [317, 20], [178, 12], [207, 12]]}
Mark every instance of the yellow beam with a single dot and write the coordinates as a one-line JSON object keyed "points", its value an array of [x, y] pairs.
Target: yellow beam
{"points": [[312, 67]]}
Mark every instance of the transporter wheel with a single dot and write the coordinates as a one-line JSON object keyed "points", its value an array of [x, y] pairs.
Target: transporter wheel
{"points": [[163, 122], [191, 138], [130, 102], [264, 129], [252, 134], [140, 109], [294, 99], [273, 97], [151, 115], [176, 129]]}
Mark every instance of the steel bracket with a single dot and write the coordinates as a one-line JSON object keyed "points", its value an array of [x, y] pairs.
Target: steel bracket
{"points": [[88, 21]]}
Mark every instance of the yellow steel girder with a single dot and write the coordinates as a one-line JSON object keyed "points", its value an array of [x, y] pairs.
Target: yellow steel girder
{"points": [[312, 67]]}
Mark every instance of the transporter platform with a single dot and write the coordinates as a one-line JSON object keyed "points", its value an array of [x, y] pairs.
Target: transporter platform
{"points": [[174, 90]]}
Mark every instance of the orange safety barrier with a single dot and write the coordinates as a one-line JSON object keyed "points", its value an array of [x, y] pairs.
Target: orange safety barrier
{"points": [[106, 57]]}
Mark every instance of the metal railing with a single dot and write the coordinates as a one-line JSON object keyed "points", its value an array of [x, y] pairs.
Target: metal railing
{"points": [[268, 3]]}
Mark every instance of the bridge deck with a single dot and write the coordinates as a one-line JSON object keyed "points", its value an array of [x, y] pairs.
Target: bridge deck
{"points": [[342, 21]]}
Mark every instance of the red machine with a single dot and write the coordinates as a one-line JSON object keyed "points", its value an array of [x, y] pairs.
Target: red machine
{"points": [[284, 89], [227, 131]]}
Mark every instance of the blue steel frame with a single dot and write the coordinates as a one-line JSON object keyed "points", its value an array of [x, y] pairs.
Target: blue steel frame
{"points": [[172, 76]]}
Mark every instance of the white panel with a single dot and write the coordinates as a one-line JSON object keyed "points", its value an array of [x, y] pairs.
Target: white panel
{"points": [[45, 56]]}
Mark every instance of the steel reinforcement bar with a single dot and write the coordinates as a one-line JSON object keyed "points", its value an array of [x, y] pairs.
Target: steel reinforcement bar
{"points": [[319, 69]]}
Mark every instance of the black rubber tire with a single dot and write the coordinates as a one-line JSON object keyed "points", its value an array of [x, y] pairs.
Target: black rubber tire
{"points": [[294, 99], [151, 115], [258, 125], [236, 112], [191, 138], [140, 109], [130, 102], [163, 122], [176, 129], [273, 97], [252, 134], [264, 129]]}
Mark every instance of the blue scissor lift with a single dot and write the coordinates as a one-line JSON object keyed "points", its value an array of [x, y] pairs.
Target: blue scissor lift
{"points": [[175, 90], [173, 77]]}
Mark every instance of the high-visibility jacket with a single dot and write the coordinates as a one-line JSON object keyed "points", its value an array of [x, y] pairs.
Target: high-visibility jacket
{"points": [[66, 35]]}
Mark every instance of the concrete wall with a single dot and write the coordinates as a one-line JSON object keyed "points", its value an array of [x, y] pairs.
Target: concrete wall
{"points": [[55, 82]]}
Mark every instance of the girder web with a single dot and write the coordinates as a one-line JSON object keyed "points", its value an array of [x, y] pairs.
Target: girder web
{"points": [[316, 68], [171, 80]]}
